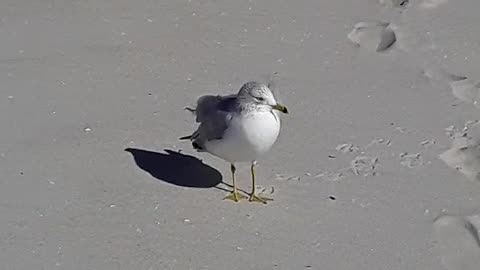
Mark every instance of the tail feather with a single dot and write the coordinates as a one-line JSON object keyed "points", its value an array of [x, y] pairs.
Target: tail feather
{"points": [[189, 137], [190, 109], [196, 145]]}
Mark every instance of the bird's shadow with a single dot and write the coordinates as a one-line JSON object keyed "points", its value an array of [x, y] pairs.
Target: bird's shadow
{"points": [[176, 168]]}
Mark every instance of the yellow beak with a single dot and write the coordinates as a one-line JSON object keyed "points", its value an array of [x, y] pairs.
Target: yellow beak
{"points": [[280, 107]]}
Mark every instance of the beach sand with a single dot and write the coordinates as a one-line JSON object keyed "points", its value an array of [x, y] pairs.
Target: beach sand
{"points": [[375, 167]]}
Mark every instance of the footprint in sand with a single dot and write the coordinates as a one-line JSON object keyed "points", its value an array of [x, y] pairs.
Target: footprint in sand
{"points": [[466, 90], [360, 166], [374, 36], [464, 154], [411, 160], [364, 165], [457, 240], [462, 87], [429, 4], [440, 75], [347, 147], [395, 3]]}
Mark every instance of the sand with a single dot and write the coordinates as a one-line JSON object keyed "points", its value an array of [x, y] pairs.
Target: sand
{"points": [[375, 167]]}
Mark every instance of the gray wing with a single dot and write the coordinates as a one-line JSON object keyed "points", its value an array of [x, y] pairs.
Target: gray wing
{"points": [[214, 114]]}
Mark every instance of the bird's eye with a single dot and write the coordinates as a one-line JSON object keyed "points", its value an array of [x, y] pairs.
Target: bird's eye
{"points": [[260, 99]]}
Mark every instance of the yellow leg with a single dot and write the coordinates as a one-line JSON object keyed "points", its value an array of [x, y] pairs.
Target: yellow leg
{"points": [[253, 196], [234, 195]]}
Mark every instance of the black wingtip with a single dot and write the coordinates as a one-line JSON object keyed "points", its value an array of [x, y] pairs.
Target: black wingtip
{"points": [[196, 146], [185, 137]]}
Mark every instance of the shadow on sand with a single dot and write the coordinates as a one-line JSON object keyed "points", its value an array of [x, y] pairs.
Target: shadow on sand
{"points": [[176, 168]]}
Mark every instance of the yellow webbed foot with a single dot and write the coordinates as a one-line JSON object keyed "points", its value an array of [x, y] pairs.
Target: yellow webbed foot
{"points": [[235, 196], [260, 199]]}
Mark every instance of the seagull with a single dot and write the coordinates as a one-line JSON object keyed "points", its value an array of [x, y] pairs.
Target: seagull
{"points": [[238, 128]]}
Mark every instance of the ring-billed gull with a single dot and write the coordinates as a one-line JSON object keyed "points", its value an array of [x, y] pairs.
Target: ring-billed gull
{"points": [[238, 128]]}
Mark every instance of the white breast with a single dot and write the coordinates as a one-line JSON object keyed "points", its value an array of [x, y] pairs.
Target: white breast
{"points": [[247, 138]]}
